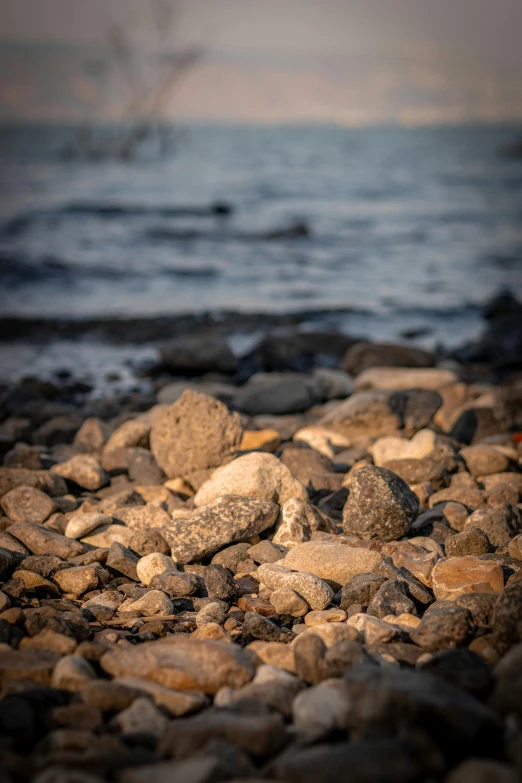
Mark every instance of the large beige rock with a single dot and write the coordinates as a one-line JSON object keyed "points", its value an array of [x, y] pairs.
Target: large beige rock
{"points": [[365, 413], [228, 519], [256, 475], [80, 525], [322, 440], [84, 469], [392, 447], [404, 378], [315, 591], [456, 576], [483, 460], [183, 664], [195, 433], [334, 560], [297, 522]]}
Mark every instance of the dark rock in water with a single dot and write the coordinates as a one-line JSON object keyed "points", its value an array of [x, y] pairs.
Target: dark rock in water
{"points": [[195, 433], [196, 355], [380, 505], [298, 352], [364, 355], [278, 394], [501, 343]]}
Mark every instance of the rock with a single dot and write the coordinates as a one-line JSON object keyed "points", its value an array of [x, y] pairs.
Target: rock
{"points": [[142, 517], [322, 440], [34, 666], [144, 469], [325, 616], [257, 475], [145, 542], [131, 434], [220, 583], [360, 589], [507, 617], [287, 601], [482, 460], [320, 710], [123, 561], [41, 541], [71, 673], [80, 525], [312, 469], [419, 562], [403, 378], [176, 584], [153, 602], [226, 520], [213, 612], [395, 448], [474, 424], [153, 565], [28, 504], [332, 633], [515, 547], [178, 703], [466, 496], [363, 355], [84, 470], [500, 524], [472, 541], [259, 627], [36, 582], [266, 551], [277, 394], [482, 771], [142, 720], [196, 355], [334, 559], [297, 521], [380, 505], [81, 579], [104, 537], [260, 440], [366, 414], [443, 627], [233, 556], [195, 433], [315, 591], [391, 598], [183, 664], [456, 576], [462, 668], [92, 435]]}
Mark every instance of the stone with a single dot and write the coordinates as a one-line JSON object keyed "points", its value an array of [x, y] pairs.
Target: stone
{"points": [[404, 378], [198, 354], [183, 664], [256, 475], [143, 468], [466, 496], [80, 525], [483, 460], [195, 433], [259, 627], [178, 703], [297, 522], [28, 504], [266, 552], [220, 583], [419, 562], [176, 584], [443, 627], [360, 589], [142, 517], [456, 576], [391, 598], [213, 612], [463, 668], [380, 505], [320, 710], [482, 771], [331, 633], [123, 561], [395, 448], [51, 641], [84, 470], [41, 479], [260, 440], [472, 541], [500, 524], [69, 623], [287, 601], [153, 602], [71, 673], [153, 565], [34, 666], [228, 519], [322, 440], [81, 579], [131, 434], [366, 414], [515, 547], [92, 435], [36, 582], [104, 537], [507, 617], [145, 542], [317, 593], [142, 719], [41, 541], [233, 556], [334, 559], [312, 469], [277, 394], [317, 617]]}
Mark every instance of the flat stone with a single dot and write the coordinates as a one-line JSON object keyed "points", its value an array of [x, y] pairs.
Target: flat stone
{"points": [[229, 519], [31, 665], [41, 541], [277, 394], [178, 703], [380, 505], [142, 517], [418, 562], [404, 378], [84, 470], [393, 447], [443, 627], [365, 414], [334, 560], [482, 460], [317, 593], [456, 576], [195, 433], [318, 617], [322, 440], [287, 601], [81, 579], [260, 440], [131, 434], [36, 582], [28, 504], [276, 654], [104, 537], [332, 633], [183, 664], [123, 561], [153, 602], [80, 525], [256, 475]]}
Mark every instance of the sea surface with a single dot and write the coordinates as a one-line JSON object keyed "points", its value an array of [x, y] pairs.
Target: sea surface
{"points": [[410, 231]]}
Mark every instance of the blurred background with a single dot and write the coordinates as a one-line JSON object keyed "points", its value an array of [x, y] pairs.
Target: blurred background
{"points": [[169, 167]]}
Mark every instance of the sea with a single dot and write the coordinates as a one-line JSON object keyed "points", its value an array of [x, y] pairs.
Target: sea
{"points": [[387, 233]]}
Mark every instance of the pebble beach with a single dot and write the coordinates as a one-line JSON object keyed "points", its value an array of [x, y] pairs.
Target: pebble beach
{"points": [[303, 568]]}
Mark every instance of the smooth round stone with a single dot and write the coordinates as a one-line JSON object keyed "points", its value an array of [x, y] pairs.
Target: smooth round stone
{"points": [[325, 616], [153, 565]]}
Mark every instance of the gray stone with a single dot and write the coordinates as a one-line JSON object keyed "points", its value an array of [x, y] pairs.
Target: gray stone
{"points": [[277, 394]]}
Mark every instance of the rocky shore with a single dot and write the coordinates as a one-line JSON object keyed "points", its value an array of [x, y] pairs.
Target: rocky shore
{"points": [[297, 568]]}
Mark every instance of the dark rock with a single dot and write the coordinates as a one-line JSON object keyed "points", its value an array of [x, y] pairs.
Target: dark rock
{"points": [[391, 598], [464, 669], [380, 505], [507, 696], [277, 395], [45, 565], [41, 541], [66, 622], [298, 351], [196, 355], [196, 433], [360, 590], [416, 471], [472, 541], [444, 625], [264, 552], [414, 587], [415, 408], [481, 606], [145, 542], [143, 468], [176, 585], [344, 655], [122, 560], [507, 617], [220, 583], [309, 653], [311, 468], [364, 355], [261, 628], [500, 524], [475, 424]]}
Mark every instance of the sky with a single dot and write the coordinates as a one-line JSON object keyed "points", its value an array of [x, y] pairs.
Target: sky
{"points": [[346, 61]]}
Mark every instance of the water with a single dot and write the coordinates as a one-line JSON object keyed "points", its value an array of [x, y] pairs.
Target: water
{"points": [[410, 229]]}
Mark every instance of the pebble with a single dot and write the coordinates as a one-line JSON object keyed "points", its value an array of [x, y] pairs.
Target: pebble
{"points": [[153, 565], [316, 592], [287, 601], [84, 470], [80, 525], [333, 559], [28, 504], [459, 575]]}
